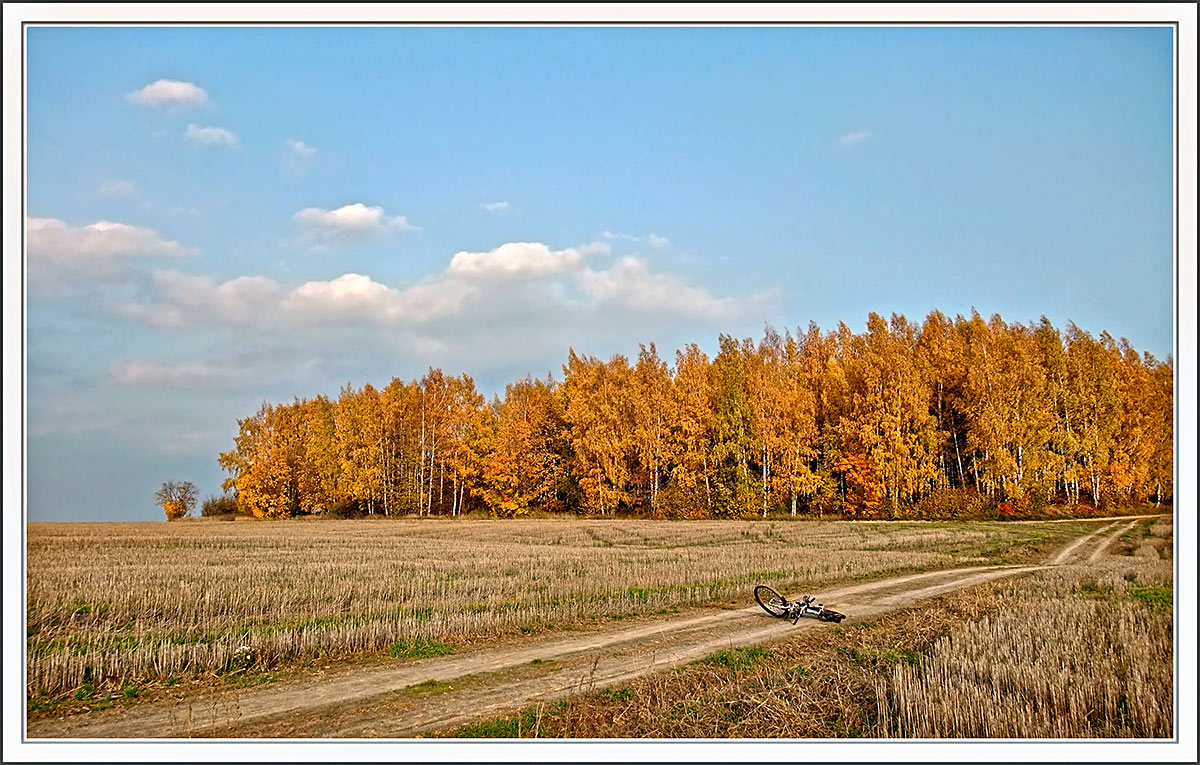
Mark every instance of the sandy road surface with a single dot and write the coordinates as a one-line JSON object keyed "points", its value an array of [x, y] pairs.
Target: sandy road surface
{"points": [[406, 699]]}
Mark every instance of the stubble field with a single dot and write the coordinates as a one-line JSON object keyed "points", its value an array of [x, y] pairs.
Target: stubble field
{"points": [[1081, 650], [115, 606]]}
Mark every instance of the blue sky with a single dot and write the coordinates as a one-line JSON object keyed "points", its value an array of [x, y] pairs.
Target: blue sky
{"points": [[221, 216]]}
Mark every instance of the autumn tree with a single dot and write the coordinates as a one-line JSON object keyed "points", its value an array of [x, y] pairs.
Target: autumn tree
{"points": [[943, 360], [1063, 446], [737, 488], [1160, 474], [888, 419], [176, 498], [1011, 418], [1094, 408], [821, 373], [797, 435], [782, 421], [522, 466], [600, 417], [264, 464], [690, 424], [650, 391]]}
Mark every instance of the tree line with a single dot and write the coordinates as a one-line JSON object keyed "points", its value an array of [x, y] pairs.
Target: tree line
{"points": [[942, 419]]}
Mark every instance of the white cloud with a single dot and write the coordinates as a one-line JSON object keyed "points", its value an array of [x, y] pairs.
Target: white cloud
{"points": [[654, 240], [610, 235], [117, 188], [300, 149], [515, 282], [323, 226], [358, 296], [171, 93], [65, 258], [179, 375], [100, 242], [631, 284], [348, 292], [501, 206], [180, 299], [298, 155], [209, 136], [594, 248], [516, 260], [495, 314], [855, 137]]}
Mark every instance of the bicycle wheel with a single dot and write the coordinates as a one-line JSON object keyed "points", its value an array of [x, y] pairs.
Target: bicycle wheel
{"points": [[772, 602]]}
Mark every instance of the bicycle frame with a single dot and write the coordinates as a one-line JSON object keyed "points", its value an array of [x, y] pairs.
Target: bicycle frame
{"points": [[796, 609]]}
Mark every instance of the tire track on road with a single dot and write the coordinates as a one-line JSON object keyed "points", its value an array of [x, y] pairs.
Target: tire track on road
{"points": [[1109, 540]]}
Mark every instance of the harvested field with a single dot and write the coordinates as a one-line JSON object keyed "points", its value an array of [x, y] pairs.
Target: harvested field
{"points": [[1071, 653], [1083, 650], [153, 602]]}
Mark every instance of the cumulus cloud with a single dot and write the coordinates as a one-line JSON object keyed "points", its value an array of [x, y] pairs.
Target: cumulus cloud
{"points": [[323, 226], [658, 242], [117, 188], [495, 313], [170, 93], [209, 136], [300, 149], [298, 155], [360, 297], [855, 137], [516, 260], [630, 283], [179, 299], [102, 241], [64, 257], [514, 280], [497, 207]]}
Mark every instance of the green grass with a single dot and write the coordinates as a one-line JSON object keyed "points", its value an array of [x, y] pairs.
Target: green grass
{"points": [[420, 648], [437, 687], [886, 656], [1093, 589], [617, 694], [42, 702], [511, 727], [736, 658], [1153, 596]]}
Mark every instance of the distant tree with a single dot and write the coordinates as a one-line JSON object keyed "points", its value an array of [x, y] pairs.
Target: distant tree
{"points": [[176, 498], [226, 504]]}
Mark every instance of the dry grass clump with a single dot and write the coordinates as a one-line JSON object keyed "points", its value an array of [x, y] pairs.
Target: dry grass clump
{"points": [[1162, 529], [149, 602], [1070, 654]]}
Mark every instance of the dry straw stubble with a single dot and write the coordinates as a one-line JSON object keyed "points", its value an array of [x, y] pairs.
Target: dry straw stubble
{"points": [[152, 602]]}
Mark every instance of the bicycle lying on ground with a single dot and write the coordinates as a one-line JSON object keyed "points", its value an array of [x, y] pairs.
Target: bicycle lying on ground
{"points": [[777, 605]]}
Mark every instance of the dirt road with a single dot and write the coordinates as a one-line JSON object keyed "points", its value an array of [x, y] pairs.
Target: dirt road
{"points": [[398, 700]]}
